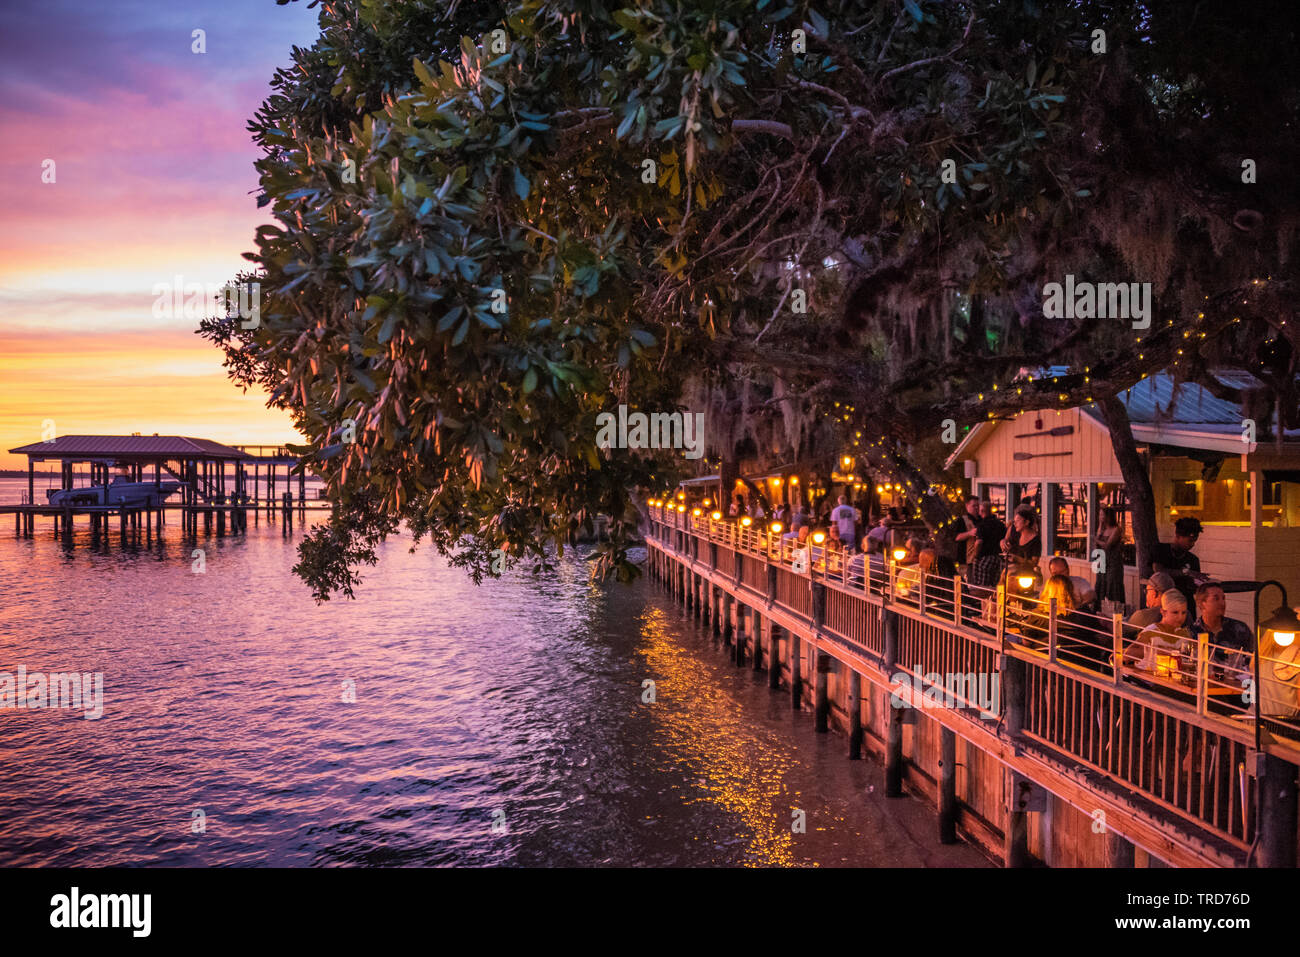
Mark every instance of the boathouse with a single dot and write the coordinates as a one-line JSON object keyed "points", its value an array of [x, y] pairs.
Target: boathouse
{"points": [[1204, 460]]}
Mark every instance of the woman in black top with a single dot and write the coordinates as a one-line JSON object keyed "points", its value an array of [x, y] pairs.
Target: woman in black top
{"points": [[1022, 544]]}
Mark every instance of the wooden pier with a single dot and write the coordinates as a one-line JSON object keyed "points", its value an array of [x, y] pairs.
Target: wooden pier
{"points": [[219, 486], [1075, 770]]}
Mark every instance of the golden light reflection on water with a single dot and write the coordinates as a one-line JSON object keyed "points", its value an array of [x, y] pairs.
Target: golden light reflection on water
{"points": [[742, 767]]}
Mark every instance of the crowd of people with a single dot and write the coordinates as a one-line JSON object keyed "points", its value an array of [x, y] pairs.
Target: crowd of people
{"points": [[1160, 637]]}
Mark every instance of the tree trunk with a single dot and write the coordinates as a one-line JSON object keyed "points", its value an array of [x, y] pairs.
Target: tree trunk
{"points": [[1137, 481], [726, 484]]}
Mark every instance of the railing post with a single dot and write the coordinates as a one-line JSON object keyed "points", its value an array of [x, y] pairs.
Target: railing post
{"points": [[1117, 640], [956, 600], [1051, 629], [1202, 671], [920, 589]]}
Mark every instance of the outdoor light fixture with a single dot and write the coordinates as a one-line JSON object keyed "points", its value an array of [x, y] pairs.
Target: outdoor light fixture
{"points": [[818, 537], [1283, 626], [900, 554], [716, 516], [880, 488], [681, 508], [794, 480], [681, 494], [776, 528], [746, 521], [1025, 582], [697, 512], [847, 461]]}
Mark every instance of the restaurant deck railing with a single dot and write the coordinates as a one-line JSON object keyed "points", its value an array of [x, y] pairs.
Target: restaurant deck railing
{"points": [[1182, 733]]}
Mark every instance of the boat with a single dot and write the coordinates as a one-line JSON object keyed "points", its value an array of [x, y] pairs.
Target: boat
{"points": [[120, 491]]}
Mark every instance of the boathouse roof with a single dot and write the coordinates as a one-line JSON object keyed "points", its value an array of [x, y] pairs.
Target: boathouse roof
{"points": [[1165, 412], [128, 447]]}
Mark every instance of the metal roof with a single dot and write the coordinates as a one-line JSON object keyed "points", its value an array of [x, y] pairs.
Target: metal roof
{"points": [[129, 446]]}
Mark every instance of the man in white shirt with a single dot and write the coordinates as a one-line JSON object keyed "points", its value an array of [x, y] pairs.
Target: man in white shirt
{"points": [[845, 517]]}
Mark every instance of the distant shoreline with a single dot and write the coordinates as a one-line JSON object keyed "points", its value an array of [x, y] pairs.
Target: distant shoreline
{"points": [[22, 473]]}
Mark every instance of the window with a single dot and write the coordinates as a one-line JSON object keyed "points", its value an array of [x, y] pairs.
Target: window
{"points": [[1070, 531], [1187, 493]]}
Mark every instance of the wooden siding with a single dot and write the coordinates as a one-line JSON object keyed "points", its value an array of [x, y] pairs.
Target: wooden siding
{"points": [[1091, 457]]}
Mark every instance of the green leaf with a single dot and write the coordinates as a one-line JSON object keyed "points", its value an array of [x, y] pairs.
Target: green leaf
{"points": [[911, 7], [422, 72], [461, 332], [449, 318], [530, 381], [521, 184], [386, 330]]}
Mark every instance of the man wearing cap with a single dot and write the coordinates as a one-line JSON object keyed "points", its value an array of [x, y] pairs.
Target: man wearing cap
{"points": [[1157, 585]]}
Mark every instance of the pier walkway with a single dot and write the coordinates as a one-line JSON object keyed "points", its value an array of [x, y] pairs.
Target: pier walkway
{"points": [[1072, 767]]}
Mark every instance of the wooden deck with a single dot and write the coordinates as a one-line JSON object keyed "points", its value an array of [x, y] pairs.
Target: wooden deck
{"points": [[1079, 769]]}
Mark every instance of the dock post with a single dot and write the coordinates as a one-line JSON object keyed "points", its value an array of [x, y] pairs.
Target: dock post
{"points": [[727, 629], [796, 672], [221, 517], [1277, 819], [855, 716], [947, 786], [822, 714], [773, 655], [744, 624], [1016, 833], [757, 643], [121, 513], [894, 730]]}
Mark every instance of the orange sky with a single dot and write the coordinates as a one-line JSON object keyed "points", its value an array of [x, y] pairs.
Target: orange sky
{"points": [[153, 180]]}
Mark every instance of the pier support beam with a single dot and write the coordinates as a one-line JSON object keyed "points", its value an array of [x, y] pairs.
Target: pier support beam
{"points": [[1277, 818], [796, 672], [774, 655], [727, 629], [756, 645], [855, 716], [947, 786], [894, 728], [744, 624], [1119, 852], [1016, 833], [822, 712]]}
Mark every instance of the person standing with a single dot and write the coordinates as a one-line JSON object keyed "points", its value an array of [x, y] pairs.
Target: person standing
{"points": [[988, 562], [1110, 539], [970, 536], [845, 520]]}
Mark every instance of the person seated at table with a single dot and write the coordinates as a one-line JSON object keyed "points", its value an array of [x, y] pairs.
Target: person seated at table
{"points": [[1167, 637], [1157, 585], [1068, 621], [1231, 641], [1084, 594]]}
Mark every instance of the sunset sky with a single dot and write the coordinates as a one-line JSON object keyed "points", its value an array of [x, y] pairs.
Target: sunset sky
{"points": [[154, 179]]}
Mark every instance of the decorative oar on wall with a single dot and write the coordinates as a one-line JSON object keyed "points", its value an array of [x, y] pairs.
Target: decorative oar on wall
{"points": [[1059, 430], [1022, 456]]}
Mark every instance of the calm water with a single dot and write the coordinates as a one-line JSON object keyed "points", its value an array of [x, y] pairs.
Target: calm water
{"points": [[500, 724]]}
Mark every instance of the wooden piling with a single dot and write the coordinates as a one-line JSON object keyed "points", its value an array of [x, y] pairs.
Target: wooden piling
{"points": [[796, 676], [822, 712], [855, 716], [947, 786], [756, 645], [894, 727], [1277, 813], [773, 655]]}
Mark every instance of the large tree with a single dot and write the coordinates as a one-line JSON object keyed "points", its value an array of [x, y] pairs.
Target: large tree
{"points": [[746, 209]]}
